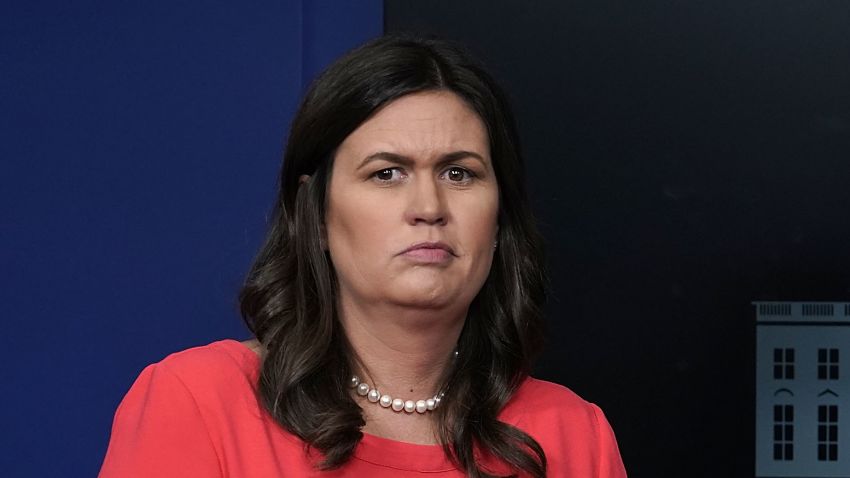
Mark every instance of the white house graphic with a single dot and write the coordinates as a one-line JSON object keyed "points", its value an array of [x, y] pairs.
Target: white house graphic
{"points": [[802, 390]]}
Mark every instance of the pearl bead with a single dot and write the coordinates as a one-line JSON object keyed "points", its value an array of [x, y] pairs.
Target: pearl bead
{"points": [[398, 404], [421, 407], [430, 404], [362, 389], [373, 395], [355, 381], [386, 401], [437, 402], [409, 406]]}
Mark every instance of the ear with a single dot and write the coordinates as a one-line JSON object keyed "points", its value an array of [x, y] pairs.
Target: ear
{"points": [[303, 179]]}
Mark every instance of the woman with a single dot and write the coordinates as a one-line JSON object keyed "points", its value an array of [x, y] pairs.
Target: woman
{"points": [[396, 303]]}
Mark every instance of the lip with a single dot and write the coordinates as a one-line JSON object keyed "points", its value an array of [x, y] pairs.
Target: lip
{"points": [[429, 245], [429, 253]]}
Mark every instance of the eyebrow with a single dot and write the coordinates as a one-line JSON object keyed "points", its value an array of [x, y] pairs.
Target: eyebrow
{"points": [[406, 161]]}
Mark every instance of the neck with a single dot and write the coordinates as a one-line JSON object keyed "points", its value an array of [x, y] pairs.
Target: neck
{"points": [[403, 351]]}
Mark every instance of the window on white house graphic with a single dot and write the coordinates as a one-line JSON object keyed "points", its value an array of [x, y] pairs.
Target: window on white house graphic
{"points": [[783, 432], [827, 364], [827, 432], [783, 363]]}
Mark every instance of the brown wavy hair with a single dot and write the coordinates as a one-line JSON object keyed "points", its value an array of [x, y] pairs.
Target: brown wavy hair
{"points": [[289, 299]]}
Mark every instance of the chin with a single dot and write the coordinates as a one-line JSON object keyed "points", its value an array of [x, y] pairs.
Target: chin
{"points": [[426, 295]]}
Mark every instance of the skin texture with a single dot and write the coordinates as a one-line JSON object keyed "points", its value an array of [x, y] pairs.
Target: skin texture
{"points": [[432, 180]]}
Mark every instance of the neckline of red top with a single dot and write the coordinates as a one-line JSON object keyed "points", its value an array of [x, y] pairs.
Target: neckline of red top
{"points": [[372, 448]]}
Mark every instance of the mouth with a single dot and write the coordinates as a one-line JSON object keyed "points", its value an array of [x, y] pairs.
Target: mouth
{"points": [[429, 252], [439, 246]]}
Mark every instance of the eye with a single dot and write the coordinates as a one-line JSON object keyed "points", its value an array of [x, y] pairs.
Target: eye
{"points": [[457, 174], [387, 175]]}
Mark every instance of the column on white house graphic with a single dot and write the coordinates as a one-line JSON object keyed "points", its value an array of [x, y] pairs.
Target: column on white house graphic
{"points": [[802, 395]]}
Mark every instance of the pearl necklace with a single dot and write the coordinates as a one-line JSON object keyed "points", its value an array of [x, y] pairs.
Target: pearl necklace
{"points": [[397, 404]]}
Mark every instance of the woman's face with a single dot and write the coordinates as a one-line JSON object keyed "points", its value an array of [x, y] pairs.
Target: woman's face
{"points": [[412, 205]]}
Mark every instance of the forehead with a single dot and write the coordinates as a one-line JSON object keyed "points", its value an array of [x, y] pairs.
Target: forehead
{"points": [[420, 125]]}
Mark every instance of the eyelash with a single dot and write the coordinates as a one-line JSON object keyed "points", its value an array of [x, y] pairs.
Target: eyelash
{"points": [[470, 175]]}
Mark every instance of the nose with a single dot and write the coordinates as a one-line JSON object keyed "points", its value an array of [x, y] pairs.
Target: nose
{"points": [[426, 204]]}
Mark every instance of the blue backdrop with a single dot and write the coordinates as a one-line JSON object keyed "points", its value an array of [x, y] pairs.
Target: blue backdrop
{"points": [[140, 147]]}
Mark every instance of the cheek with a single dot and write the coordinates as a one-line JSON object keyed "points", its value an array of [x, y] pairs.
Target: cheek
{"points": [[355, 229], [482, 221], [478, 232]]}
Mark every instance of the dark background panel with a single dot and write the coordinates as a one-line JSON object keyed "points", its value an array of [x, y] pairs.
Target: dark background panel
{"points": [[685, 159]]}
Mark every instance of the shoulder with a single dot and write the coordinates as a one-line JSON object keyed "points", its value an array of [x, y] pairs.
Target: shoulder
{"points": [[208, 363], [550, 400], [544, 392], [573, 432], [169, 422], [206, 378]]}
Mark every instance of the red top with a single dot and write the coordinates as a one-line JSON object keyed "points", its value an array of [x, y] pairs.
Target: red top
{"points": [[195, 414]]}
